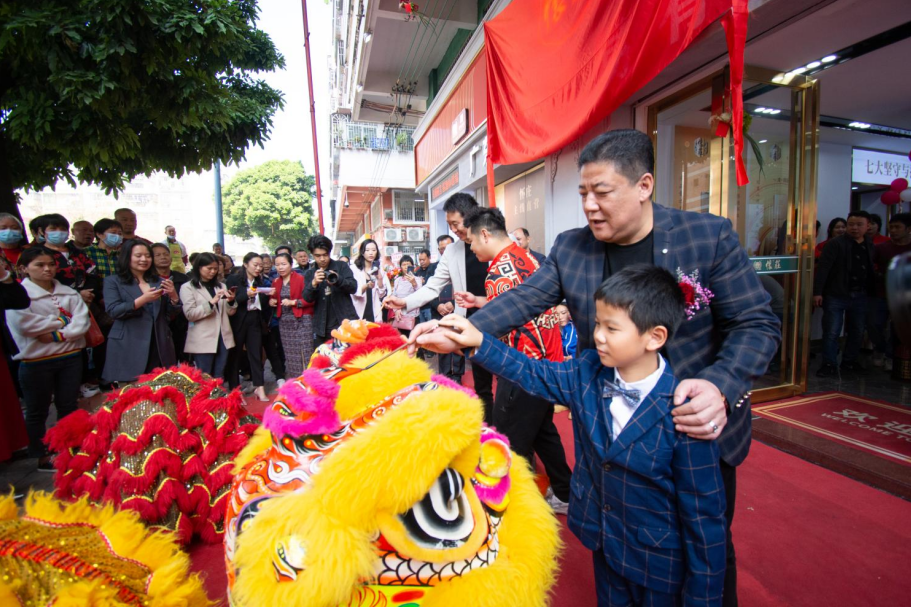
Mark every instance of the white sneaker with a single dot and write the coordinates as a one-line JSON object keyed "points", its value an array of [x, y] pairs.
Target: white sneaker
{"points": [[88, 390], [558, 505], [280, 383]]}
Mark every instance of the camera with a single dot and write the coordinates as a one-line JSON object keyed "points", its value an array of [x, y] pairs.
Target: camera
{"points": [[331, 277]]}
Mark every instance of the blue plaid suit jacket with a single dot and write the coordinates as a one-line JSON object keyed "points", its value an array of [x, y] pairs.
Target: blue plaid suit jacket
{"points": [[729, 344], [653, 500]]}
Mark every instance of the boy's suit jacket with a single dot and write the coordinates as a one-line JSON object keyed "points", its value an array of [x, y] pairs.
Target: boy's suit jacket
{"points": [[653, 500], [728, 344]]}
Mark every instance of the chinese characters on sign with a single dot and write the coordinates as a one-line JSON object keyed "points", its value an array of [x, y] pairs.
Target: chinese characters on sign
{"points": [[879, 167], [775, 265]]}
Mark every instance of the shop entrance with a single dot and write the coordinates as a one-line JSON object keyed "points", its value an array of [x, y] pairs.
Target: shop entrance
{"points": [[775, 214]]}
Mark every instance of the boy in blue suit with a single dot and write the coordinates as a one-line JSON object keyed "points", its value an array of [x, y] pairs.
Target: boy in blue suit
{"points": [[648, 501]]}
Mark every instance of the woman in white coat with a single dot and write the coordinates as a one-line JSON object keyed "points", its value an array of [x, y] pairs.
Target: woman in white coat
{"points": [[372, 283], [50, 336], [208, 304]]}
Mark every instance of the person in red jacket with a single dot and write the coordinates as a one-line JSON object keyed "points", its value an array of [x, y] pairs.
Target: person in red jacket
{"points": [[294, 315]]}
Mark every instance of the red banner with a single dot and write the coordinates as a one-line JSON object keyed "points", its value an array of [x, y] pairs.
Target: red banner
{"points": [[556, 68]]}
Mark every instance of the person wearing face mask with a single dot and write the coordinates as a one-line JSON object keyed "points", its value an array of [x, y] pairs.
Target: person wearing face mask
{"points": [[109, 233], [142, 306], [11, 238], [74, 268], [177, 249], [249, 323], [36, 227]]}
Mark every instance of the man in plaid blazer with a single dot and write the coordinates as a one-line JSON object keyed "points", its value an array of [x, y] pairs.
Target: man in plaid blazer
{"points": [[718, 353]]}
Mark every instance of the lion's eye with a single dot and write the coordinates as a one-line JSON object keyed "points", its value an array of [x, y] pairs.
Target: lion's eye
{"points": [[442, 519]]}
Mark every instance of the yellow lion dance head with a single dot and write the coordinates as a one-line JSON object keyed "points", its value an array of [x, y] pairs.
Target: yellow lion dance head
{"points": [[373, 483]]}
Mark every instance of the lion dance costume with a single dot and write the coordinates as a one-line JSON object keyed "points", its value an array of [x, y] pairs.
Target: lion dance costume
{"points": [[373, 484], [163, 447], [80, 554]]}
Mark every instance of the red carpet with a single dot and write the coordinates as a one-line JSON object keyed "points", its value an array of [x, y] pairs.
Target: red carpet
{"points": [[804, 535], [875, 427]]}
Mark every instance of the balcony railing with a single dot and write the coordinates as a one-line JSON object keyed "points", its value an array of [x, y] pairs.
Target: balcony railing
{"points": [[369, 136]]}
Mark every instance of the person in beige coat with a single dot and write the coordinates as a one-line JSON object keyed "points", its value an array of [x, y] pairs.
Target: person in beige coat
{"points": [[208, 304]]}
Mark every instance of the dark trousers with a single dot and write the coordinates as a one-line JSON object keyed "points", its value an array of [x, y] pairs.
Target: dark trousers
{"points": [[877, 319], [528, 423], [213, 363], [614, 590], [483, 387], [837, 311], [248, 333], [452, 366], [58, 378], [729, 478], [272, 344]]}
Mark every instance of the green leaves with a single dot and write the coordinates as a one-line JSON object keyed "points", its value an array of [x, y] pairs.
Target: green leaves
{"points": [[101, 91], [274, 201]]}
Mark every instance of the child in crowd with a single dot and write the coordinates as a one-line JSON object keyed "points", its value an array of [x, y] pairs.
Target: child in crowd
{"points": [[567, 332], [49, 334], [646, 499]]}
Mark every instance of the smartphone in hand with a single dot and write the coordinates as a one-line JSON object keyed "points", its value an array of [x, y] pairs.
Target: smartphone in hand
{"points": [[232, 289]]}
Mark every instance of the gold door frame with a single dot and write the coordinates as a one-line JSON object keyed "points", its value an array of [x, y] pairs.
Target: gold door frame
{"points": [[804, 137]]}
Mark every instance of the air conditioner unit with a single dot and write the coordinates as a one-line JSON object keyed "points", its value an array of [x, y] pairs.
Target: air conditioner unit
{"points": [[415, 235], [389, 251], [392, 235]]}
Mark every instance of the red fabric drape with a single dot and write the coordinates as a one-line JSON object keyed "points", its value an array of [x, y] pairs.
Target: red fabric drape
{"points": [[555, 68]]}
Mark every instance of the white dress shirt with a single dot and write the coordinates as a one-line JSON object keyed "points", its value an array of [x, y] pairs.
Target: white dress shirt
{"points": [[621, 410]]}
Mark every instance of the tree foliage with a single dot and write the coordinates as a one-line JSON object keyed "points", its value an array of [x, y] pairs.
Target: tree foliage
{"points": [[274, 201], [101, 91]]}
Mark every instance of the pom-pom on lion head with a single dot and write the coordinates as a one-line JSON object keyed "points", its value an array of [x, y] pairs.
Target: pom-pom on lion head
{"points": [[372, 482]]}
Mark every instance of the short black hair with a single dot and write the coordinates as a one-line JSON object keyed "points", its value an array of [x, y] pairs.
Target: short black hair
{"points": [[424, 252], [863, 214], [103, 225], [404, 259], [490, 219], [318, 241], [904, 218], [628, 150], [300, 251], [523, 230], [282, 247], [443, 237], [218, 244], [877, 219], [43, 221], [460, 203], [159, 245], [649, 294]]}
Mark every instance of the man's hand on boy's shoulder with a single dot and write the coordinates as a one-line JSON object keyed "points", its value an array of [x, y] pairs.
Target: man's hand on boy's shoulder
{"points": [[699, 409]]}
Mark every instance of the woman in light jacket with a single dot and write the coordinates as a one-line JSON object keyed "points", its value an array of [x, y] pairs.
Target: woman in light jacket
{"points": [[208, 305], [50, 336], [372, 283], [142, 306]]}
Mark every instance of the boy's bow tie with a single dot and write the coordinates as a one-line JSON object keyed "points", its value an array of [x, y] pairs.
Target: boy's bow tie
{"points": [[611, 390]]}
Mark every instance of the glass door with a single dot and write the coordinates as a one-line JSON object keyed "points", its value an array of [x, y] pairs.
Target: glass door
{"points": [[774, 214]]}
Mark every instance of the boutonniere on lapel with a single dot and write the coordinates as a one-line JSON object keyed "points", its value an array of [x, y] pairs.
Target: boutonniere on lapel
{"points": [[695, 295]]}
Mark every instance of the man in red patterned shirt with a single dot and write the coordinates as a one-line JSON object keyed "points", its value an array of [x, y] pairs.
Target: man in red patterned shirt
{"points": [[527, 421]]}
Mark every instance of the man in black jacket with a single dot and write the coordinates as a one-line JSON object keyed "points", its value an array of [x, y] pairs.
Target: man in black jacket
{"points": [[844, 278], [331, 293]]}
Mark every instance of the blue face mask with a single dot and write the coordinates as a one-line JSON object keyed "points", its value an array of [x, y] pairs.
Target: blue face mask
{"points": [[39, 239], [113, 240], [8, 236], [56, 237]]}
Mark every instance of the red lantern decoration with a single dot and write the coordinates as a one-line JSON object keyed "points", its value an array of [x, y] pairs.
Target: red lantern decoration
{"points": [[900, 184], [891, 197]]}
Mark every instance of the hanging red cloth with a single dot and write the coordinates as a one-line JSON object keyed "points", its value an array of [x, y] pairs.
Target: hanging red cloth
{"points": [[556, 68]]}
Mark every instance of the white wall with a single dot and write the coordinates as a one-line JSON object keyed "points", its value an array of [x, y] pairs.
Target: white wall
{"points": [[369, 168], [833, 187]]}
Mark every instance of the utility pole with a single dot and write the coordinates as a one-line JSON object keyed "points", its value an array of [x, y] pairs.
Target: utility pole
{"points": [[319, 189], [219, 221]]}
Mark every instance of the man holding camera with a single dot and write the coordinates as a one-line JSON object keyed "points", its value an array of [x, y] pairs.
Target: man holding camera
{"points": [[328, 284]]}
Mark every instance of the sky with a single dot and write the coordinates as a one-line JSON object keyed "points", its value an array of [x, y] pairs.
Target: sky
{"points": [[291, 132]]}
